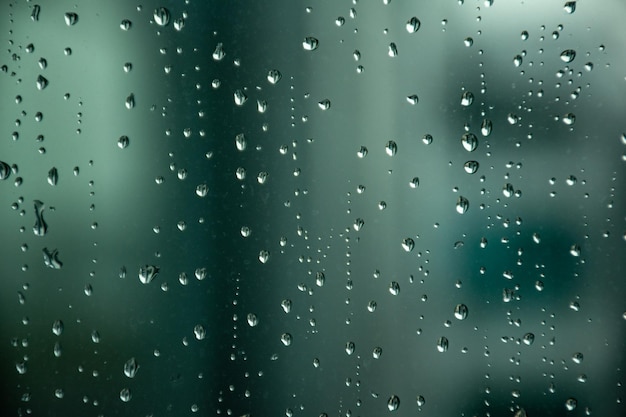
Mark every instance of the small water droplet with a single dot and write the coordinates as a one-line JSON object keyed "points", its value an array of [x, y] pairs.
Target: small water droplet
{"points": [[202, 190], [508, 190], [427, 139], [575, 250], [199, 332], [125, 395], [469, 141], [358, 224], [130, 101], [391, 148], [577, 357], [420, 401], [240, 142], [340, 21], [524, 35], [568, 55], [324, 104], [57, 327], [413, 25], [570, 404], [147, 273], [126, 24], [310, 43], [179, 24], [517, 60], [286, 305], [161, 16], [528, 339], [70, 18], [394, 288], [471, 167], [53, 176], [362, 152], [486, 127], [130, 368], [569, 119], [350, 348]]}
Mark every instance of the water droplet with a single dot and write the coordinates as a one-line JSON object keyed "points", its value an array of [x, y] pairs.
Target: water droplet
{"points": [[240, 97], [125, 395], [130, 368], [408, 244], [471, 167], [568, 55], [202, 190], [21, 368], [362, 152], [147, 273], [512, 118], [483, 242], [130, 101], [252, 319], [310, 43], [577, 357], [161, 16], [179, 24], [51, 258], [274, 76], [393, 50], [95, 336], [460, 312], [571, 180], [394, 288], [467, 98], [462, 205], [126, 24], [468, 42], [528, 339], [350, 348], [508, 190], [570, 404], [57, 327], [536, 238], [486, 127], [414, 183], [383, 205], [469, 141], [393, 403], [589, 66], [123, 142], [199, 332], [569, 119], [442, 344], [412, 99], [218, 53], [569, 7], [358, 224], [262, 177], [377, 352], [520, 413], [128, 66], [320, 278], [324, 104], [56, 350], [71, 18], [286, 305], [340, 21], [524, 35], [413, 25], [40, 228], [575, 250], [264, 256], [240, 142], [517, 60], [427, 139], [371, 306], [391, 148], [5, 170], [42, 82], [53, 176], [286, 339], [35, 13]]}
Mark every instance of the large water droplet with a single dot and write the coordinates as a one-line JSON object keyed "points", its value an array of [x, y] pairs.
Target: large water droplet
{"points": [[71, 18], [35, 13], [577, 357], [569, 119], [570, 404], [528, 339], [57, 327], [569, 7], [53, 176], [420, 401], [51, 258], [394, 288], [286, 305], [274, 76], [5, 170], [324, 104], [568, 55], [218, 53], [442, 344], [408, 244], [264, 256], [147, 273], [42, 82], [517, 60], [412, 99], [460, 312], [413, 25], [130, 101], [393, 403], [123, 142], [161, 16], [125, 395], [391, 148], [40, 228], [199, 332], [252, 319], [462, 205], [377, 352], [130, 368], [469, 141], [575, 250], [240, 142], [467, 98], [310, 43], [240, 97], [286, 339]]}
